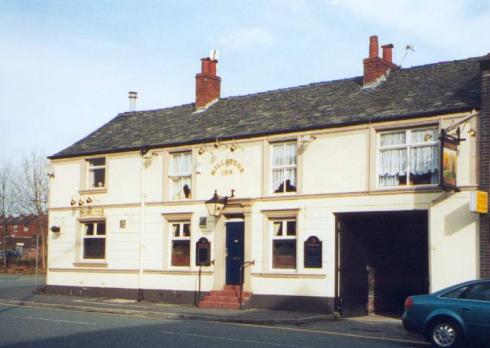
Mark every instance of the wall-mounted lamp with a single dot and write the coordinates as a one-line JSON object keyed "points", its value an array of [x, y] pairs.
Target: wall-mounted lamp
{"points": [[55, 229], [234, 147], [80, 202], [73, 202], [307, 138], [89, 200], [216, 204]]}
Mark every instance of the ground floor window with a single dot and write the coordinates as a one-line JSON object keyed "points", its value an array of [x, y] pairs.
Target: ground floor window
{"points": [[94, 239], [284, 244], [181, 244]]}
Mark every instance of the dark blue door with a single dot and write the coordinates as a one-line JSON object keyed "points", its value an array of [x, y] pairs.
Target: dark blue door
{"points": [[234, 251]]}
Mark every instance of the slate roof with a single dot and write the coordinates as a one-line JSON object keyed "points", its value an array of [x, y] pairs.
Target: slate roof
{"points": [[407, 93]]}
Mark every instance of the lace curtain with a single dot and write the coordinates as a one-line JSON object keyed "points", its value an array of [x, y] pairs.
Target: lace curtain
{"points": [[180, 175], [422, 160], [284, 167]]}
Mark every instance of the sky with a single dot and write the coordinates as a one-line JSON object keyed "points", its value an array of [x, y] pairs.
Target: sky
{"points": [[66, 66]]}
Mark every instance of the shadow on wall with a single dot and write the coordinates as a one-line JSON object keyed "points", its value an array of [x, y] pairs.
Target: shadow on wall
{"points": [[458, 219]]}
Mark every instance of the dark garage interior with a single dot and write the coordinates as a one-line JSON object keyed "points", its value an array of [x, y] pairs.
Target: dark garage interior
{"points": [[382, 257]]}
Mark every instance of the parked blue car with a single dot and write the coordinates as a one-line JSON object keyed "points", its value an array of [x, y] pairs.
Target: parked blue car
{"points": [[451, 317]]}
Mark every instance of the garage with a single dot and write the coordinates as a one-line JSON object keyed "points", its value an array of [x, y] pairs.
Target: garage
{"points": [[382, 257]]}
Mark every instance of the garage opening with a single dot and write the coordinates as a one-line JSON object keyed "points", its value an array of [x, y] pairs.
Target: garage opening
{"points": [[382, 257]]}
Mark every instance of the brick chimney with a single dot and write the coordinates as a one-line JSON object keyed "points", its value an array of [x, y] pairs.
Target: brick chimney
{"points": [[484, 158], [208, 84], [374, 66]]}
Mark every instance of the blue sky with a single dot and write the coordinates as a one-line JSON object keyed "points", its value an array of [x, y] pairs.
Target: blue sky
{"points": [[66, 66]]}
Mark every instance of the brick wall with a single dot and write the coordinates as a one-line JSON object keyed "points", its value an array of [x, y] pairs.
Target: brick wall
{"points": [[484, 150]]}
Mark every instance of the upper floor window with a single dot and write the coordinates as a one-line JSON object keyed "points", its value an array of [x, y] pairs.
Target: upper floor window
{"points": [[180, 174], [96, 172], [26, 228], [408, 157], [284, 167]]}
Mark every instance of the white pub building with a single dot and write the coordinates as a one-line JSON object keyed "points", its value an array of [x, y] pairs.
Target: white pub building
{"points": [[346, 195]]}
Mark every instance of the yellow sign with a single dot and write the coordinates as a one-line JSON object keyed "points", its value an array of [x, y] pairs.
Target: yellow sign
{"points": [[479, 202], [91, 212]]}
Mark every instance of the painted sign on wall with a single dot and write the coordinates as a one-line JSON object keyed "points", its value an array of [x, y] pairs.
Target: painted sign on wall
{"points": [[228, 166]]}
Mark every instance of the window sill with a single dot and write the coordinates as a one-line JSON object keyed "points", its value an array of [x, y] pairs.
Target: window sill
{"points": [[289, 275], [87, 263], [421, 188], [93, 191], [175, 271]]}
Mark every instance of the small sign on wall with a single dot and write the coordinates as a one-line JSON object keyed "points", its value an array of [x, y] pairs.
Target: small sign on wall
{"points": [[479, 202], [91, 212], [203, 252], [313, 253]]}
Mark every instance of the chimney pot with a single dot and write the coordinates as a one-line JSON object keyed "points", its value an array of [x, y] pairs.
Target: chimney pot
{"points": [[373, 46], [388, 52]]}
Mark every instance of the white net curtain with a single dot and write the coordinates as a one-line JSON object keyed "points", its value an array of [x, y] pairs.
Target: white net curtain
{"points": [[409, 158], [284, 167], [180, 175]]}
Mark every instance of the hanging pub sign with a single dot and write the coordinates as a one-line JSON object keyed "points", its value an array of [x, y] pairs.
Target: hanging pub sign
{"points": [[313, 253], [203, 252], [449, 161]]}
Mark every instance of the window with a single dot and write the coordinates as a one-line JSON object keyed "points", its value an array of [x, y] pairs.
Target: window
{"points": [[408, 157], [26, 228], [284, 244], [284, 167], [16, 229], [180, 174], [478, 292], [456, 293], [94, 236], [181, 244], [96, 172]]}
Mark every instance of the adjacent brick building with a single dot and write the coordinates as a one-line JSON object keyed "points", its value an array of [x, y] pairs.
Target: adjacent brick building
{"points": [[21, 234]]}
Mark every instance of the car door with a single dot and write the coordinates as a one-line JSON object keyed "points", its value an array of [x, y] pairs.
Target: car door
{"points": [[475, 310]]}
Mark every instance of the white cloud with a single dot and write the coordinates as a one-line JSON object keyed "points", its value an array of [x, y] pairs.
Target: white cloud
{"points": [[247, 38]]}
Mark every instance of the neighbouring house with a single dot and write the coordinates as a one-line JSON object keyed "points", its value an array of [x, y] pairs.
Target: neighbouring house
{"points": [[343, 195], [20, 239]]}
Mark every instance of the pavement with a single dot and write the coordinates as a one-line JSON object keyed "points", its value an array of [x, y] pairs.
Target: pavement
{"points": [[18, 290]]}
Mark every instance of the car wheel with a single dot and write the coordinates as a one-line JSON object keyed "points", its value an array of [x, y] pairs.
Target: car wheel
{"points": [[445, 333]]}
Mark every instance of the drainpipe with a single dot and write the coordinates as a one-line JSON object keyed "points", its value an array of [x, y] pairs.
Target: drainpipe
{"points": [[144, 151]]}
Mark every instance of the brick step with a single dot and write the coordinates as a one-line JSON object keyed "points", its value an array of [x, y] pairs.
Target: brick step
{"points": [[229, 293], [230, 299], [232, 287], [221, 305]]}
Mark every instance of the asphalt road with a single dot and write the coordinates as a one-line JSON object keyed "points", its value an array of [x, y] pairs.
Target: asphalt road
{"points": [[23, 326], [36, 327]]}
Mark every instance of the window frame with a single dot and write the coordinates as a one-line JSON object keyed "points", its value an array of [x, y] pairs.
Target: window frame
{"points": [[408, 145], [284, 237], [90, 168], [170, 177], [181, 238], [283, 167], [83, 236]]}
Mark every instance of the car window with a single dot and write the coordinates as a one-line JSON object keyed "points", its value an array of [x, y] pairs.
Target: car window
{"points": [[455, 293], [480, 292]]}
